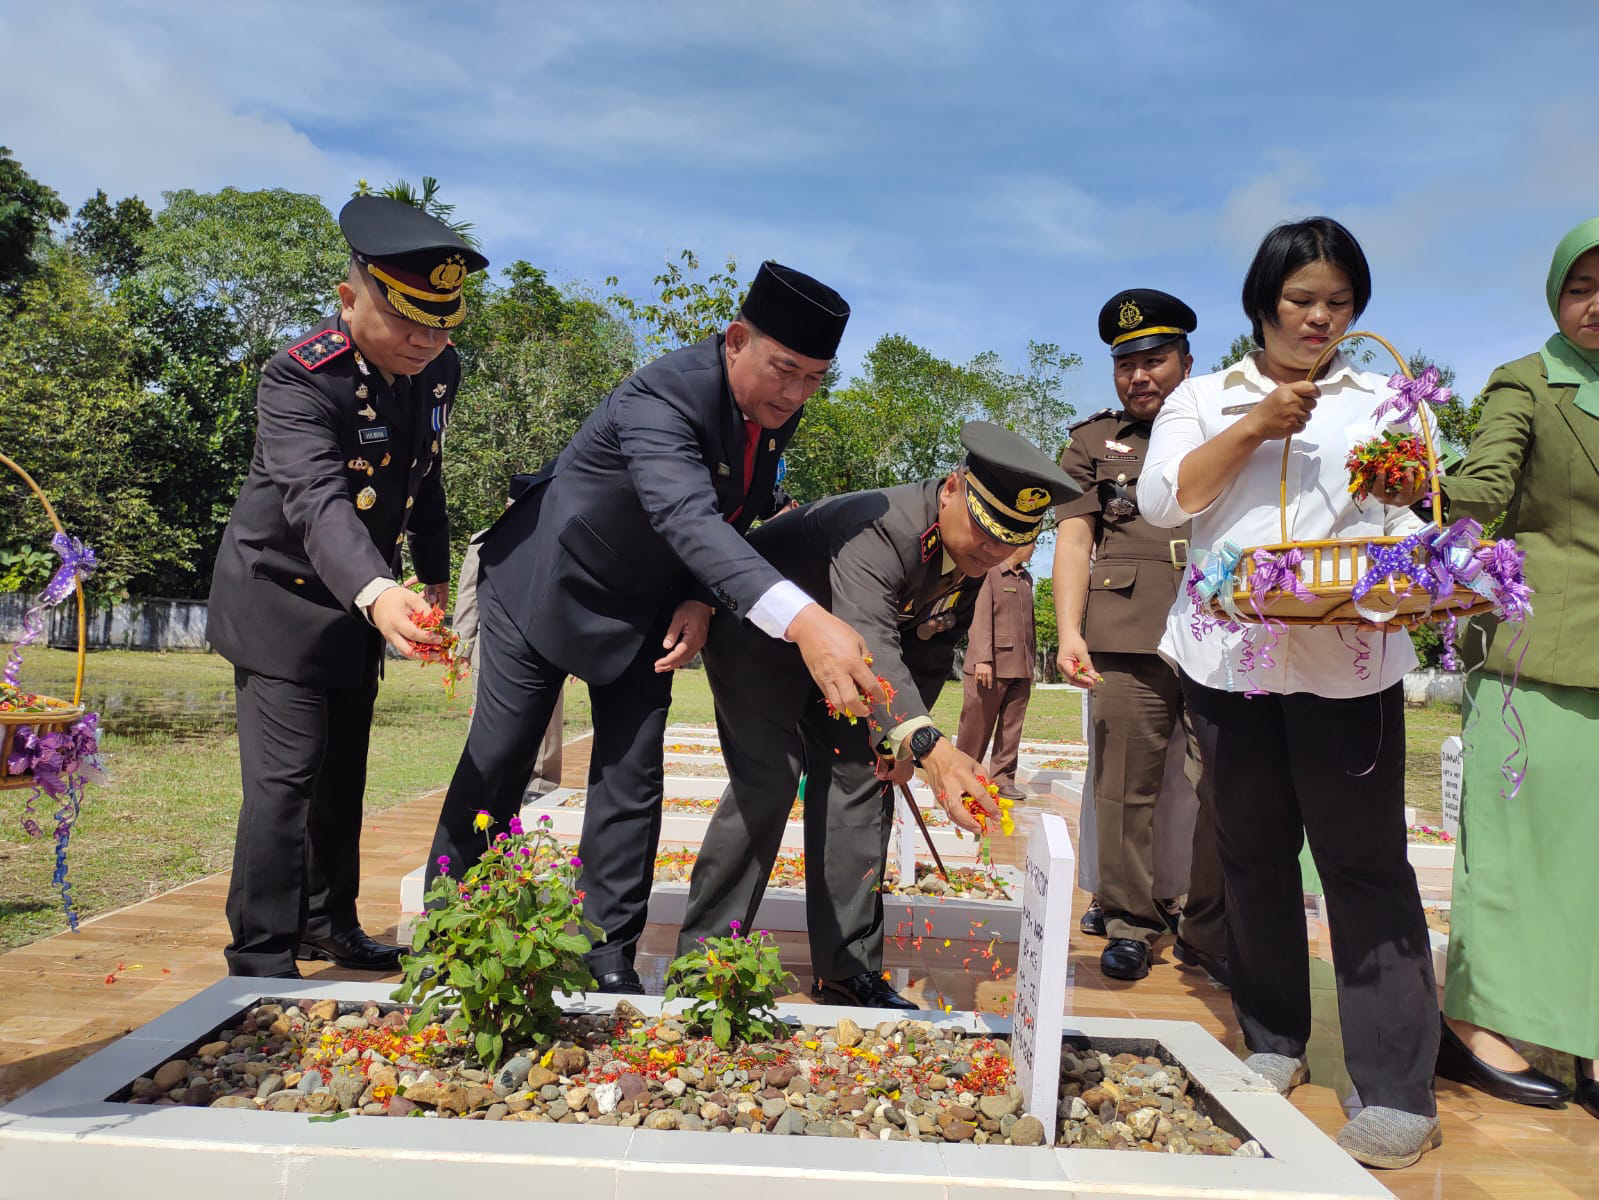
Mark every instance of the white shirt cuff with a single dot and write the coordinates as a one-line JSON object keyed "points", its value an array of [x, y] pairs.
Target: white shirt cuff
{"points": [[775, 611], [367, 595]]}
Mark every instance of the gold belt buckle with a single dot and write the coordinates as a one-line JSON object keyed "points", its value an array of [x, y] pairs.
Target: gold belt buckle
{"points": [[1171, 550]]}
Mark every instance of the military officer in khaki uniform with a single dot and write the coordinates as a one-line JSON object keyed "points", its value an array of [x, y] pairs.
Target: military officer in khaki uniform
{"points": [[903, 565], [1115, 578], [997, 676]]}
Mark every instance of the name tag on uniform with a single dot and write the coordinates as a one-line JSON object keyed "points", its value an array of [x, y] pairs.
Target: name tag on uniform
{"points": [[374, 433], [1233, 410]]}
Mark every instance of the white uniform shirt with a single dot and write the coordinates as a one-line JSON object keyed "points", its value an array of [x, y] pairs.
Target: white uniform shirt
{"points": [[1306, 658]]}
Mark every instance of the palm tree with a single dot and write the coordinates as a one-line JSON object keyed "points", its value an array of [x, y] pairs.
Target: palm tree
{"points": [[427, 200]]}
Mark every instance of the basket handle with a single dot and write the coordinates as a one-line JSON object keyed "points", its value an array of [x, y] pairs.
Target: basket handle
{"points": [[1421, 415], [83, 619]]}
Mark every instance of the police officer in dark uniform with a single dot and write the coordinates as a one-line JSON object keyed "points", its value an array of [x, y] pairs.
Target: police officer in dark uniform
{"points": [[608, 569], [346, 464], [904, 566], [1137, 704]]}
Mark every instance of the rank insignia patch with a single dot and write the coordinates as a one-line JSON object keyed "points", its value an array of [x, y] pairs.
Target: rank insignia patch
{"points": [[319, 349], [932, 541]]}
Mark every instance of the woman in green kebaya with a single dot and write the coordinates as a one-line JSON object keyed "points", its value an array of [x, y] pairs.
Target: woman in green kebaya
{"points": [[1524, 929]]}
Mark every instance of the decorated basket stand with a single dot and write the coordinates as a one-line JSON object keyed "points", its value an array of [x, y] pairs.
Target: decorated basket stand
{"points": [[1441, 573], [48, 745]]}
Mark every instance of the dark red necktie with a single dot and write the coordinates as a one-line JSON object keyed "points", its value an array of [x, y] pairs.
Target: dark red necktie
{"points": [[752, 440]]}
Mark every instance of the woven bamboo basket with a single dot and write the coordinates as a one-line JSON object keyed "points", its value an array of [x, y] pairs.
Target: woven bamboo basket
{"points": [[60, 713], [1332, 567]]}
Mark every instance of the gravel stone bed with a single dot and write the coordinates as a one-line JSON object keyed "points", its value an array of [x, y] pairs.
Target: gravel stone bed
{"points": [[901, 1080]]}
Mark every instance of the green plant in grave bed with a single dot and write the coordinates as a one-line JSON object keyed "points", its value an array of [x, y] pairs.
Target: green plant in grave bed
{"points": [[499, 943], [733, 982]]}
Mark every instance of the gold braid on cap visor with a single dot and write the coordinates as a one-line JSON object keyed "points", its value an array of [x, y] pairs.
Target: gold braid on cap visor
{"points": [[1149, 331], [976, 506], [396, 292]]}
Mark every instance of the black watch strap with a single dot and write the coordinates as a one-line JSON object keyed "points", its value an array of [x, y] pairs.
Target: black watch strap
{"points": [[922, 741]]}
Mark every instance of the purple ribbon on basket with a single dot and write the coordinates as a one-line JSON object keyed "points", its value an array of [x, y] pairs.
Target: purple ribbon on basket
{"points": [[77, 562], [1502, 566], [1276, 573], [62, 762], [1410, 394]]}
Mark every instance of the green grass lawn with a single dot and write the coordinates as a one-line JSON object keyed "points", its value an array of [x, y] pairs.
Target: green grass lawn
{"points": [[168, 813]]}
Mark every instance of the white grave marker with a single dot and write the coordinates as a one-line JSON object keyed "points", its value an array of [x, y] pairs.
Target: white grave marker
{"points": [[1452, 759], [1041, 969], [907, 838]]}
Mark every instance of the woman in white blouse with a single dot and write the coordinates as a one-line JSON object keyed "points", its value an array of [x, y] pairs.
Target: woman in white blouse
{"points": [[1302, 730]]}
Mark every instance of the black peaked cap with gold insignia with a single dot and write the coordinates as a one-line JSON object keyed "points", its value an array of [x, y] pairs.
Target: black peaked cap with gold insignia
{"points": [[1141, 319], [420, 262], [790, 307], [1010, 483]]}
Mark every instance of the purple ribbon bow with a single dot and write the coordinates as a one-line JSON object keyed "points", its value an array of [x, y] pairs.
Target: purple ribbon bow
{"points": [[1410, 394]]}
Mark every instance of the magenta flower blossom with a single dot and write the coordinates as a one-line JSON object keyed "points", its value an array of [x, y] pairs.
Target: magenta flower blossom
{"points": [[516, 826], [444, 862], [545, 820], [735, 926], [576, 861]]}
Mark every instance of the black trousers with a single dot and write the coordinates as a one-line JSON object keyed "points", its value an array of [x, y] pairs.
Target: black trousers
{"points": [[297, 855], [1287, 768], [518, 689], [773, 724]]}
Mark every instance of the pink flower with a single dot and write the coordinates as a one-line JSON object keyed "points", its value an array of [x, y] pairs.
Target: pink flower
{"points": [[735, 926], [444, 862], [576, 861], [516, 826]]}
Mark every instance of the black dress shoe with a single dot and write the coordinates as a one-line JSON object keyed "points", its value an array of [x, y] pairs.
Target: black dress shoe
{"points": [[1093, 919], [621, 983], [1531, 1086], [866, 990], [1125, 958], [1193, 956], [351, 949], [1587, 1092]]}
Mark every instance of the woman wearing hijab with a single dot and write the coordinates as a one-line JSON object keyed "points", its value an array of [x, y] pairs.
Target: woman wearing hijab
{"points": [[1524, 928], [1296, 739]]}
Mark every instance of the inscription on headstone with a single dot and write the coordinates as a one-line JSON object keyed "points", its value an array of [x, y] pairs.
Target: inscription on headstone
{"points": [[1041, 969], [1452, 759]]}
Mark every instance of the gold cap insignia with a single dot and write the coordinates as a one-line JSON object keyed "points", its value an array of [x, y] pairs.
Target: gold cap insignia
{"points": [[447, 276], [366, 498], [1031, 499], [1130, 316]]}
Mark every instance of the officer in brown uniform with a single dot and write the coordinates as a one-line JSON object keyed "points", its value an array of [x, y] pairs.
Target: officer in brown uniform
{"points": [[1124, 572], [997, 678]]}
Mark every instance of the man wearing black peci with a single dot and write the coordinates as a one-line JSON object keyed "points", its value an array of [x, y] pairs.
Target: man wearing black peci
{"points": [[609, 568]]}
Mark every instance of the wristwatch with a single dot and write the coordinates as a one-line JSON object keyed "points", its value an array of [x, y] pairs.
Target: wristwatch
{"points": [[923, 739]]}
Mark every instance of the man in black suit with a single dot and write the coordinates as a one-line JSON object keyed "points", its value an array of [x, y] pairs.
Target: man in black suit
{"points": [[608, 569], [346, 463], [904, 565]]}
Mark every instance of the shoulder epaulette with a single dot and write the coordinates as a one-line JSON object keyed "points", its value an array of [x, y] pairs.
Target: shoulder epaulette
{"points": [[320, 349], [1104, 412]]}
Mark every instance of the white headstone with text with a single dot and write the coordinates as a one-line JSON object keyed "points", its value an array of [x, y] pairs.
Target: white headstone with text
{"points": [[1452, 758], [1041, 968]]}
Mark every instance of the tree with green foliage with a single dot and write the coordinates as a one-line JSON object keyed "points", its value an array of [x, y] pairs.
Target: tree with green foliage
{"points": [[73, 414], [900, 419], [269, 261], [427, 199], [1048, 632], [1239, 349], [535, 362], [27, 208], [689, 310], [111, 236]]}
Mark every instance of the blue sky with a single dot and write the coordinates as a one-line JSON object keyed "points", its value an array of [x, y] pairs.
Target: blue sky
{"points": [[971, 175]]}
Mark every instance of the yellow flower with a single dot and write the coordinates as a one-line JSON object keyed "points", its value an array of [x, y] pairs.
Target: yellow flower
{"points": [[482, 821]]}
